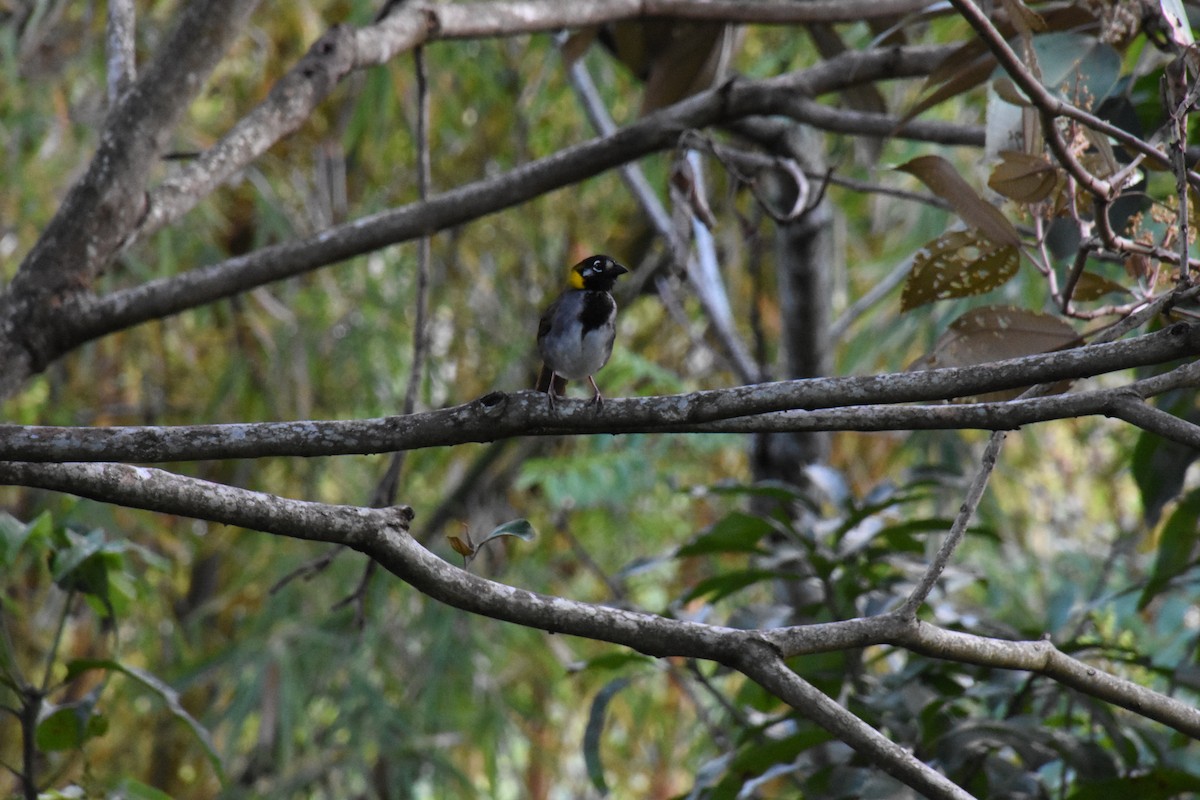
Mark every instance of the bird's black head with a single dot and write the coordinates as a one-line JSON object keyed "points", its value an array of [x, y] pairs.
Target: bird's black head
{"points": [[597, 273]]}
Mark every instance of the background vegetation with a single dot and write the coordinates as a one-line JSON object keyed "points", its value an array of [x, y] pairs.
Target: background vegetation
{"points": [[148, 654]]}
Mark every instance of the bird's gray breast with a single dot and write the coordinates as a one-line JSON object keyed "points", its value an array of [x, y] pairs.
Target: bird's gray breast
{"points": [[569, 351]]}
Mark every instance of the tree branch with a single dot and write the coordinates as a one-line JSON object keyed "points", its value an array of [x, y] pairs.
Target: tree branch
{"points": [[342, 50], [84, 318], [1045, 659], [763, 664], [104, 206], [119, 37], [498, 415], [382, 534], [1051, 106]]}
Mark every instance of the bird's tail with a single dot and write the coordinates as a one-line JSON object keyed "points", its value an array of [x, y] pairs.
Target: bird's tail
{"points": [[543, 382]]}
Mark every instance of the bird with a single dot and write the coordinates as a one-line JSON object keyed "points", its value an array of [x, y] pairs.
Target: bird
{"points": [[575, 334]]}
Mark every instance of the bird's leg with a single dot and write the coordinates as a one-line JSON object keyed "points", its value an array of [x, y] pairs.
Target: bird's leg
{"points": [[598, 400]]}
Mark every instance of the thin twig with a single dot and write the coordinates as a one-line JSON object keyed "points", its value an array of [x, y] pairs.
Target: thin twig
{"points": [[734, 351], [957, 529], [1051, 106], [388, 486], [385, 492], [865, 303]]}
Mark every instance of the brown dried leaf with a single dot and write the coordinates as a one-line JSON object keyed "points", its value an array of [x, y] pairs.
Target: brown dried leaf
{"points": [[993, 333], [1104, 152], [1091, 286], [957, 264], [1138, 266], [1024, 19], [687, 58], [577, 44], [943, 180], [463, 548], [1023, 177], [963, 70]]}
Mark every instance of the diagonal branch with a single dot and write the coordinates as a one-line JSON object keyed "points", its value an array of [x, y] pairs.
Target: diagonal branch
{"points": [[763, 665], [105, 205], [87, 318], [342, 50], [382, 534], [1051, 106]]}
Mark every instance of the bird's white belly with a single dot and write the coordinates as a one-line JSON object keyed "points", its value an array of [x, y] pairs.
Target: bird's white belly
{"points": [[574, 356]]}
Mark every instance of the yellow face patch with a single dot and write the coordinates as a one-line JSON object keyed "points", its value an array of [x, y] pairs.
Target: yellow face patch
{"points": [[576, 279]]}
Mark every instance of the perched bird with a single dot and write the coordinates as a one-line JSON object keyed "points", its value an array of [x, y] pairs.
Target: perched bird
{"points": [[575, 334]]}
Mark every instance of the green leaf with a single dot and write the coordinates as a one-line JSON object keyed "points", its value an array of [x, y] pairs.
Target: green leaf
{"points": [[83, 565], [69, 726], [758, 758], [168, 695], [1159, 465], [1176, 546], [1080, 68], [612, 661], [957, 264], [131, 789], [519, 528], [1158, 784], [737, 532], [595, 730], [13, 534], [721, 586]]}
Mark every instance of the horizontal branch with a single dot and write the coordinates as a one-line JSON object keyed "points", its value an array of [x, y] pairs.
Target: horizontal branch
{"points": [[1123, 402], [1041, 657], [787, 405], [382, 534]]}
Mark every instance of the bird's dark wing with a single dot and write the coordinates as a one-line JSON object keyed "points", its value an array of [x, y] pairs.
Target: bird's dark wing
{"points": [[547, 316]]}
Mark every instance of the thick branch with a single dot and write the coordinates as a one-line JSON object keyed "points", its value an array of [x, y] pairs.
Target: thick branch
{"points": [[1044, 658], [106, 203], [382, 535], [498, 415]]}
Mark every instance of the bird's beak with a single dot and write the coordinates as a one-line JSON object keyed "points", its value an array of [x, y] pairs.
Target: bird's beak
{"points": [[618, 269]]}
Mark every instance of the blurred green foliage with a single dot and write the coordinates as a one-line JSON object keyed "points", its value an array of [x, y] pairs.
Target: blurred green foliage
{"points": [[423, 701]]}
